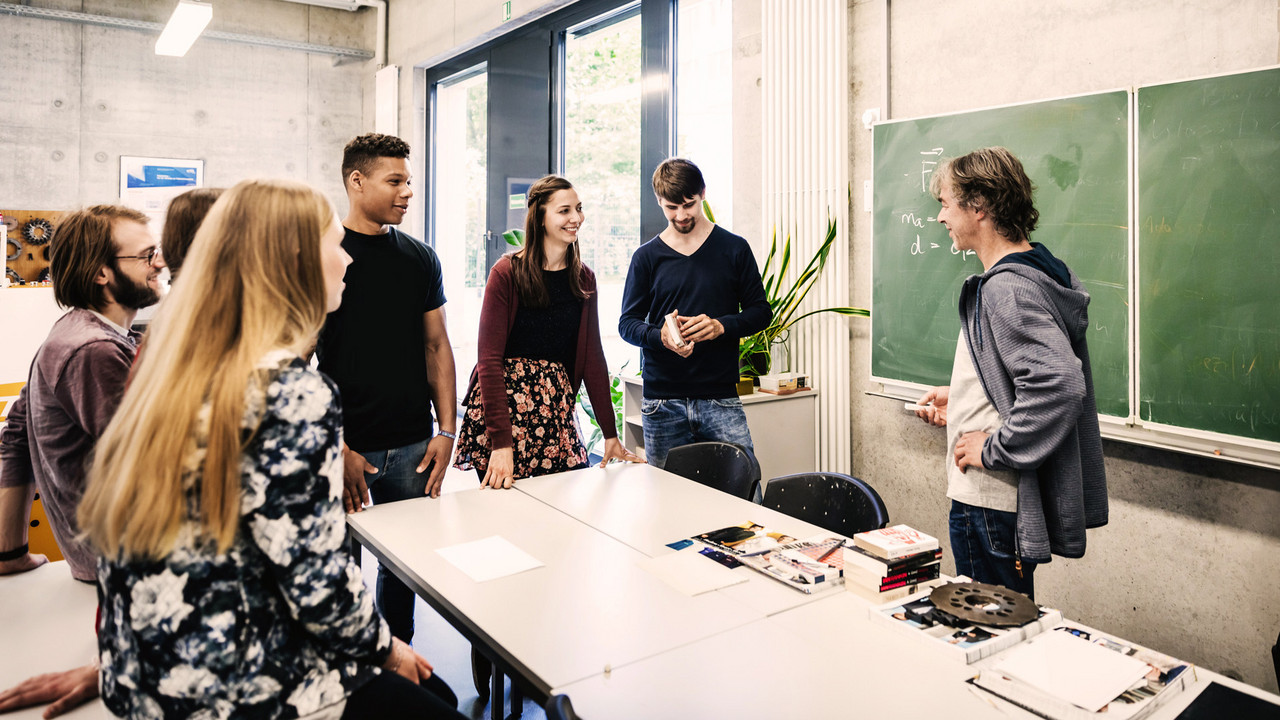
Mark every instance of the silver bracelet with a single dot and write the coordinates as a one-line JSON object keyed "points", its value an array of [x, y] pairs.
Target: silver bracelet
{"points": [[447, 434]]}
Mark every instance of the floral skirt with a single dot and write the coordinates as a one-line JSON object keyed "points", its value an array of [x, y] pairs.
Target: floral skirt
{"points": [[544, 427]]}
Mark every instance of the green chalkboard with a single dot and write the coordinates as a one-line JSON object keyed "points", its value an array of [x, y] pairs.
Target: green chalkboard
{"points": [[1208, 254], [1076, 151]]}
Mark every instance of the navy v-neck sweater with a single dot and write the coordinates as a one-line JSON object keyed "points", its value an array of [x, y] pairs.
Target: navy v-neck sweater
{"points": [[720, 279]]}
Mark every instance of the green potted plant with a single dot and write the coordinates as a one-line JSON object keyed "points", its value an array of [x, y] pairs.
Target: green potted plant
{"points": [[755, 352]]}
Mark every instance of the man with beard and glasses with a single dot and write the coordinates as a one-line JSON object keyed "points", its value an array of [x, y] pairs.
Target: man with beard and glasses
{"points": [[105, 266], [708, 277]]}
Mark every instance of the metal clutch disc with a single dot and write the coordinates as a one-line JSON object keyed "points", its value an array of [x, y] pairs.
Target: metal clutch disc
{"points": [[985, 604]]}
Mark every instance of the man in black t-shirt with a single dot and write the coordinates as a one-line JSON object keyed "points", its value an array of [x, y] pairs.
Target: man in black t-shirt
{"points": [[388, 351]]}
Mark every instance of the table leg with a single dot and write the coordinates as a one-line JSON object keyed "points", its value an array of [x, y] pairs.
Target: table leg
{"points": [[495, 695], [517, 699]]}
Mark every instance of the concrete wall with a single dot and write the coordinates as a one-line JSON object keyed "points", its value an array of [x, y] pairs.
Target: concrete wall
{"points": [[73, 98], [1190, 562]]}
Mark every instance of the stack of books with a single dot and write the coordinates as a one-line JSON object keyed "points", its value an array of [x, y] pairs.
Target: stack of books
{"points": [[890, 563]]}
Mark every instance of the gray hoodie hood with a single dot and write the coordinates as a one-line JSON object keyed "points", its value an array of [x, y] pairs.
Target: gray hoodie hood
{"points": [[1038, 265]]}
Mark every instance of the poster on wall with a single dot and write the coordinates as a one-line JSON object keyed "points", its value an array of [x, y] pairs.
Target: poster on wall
{"points": [[148, 184]]}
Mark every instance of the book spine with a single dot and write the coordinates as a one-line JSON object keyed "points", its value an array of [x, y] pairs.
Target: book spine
{"points": [[927, 572], [907, 578], [861, 559], [903, 583]]}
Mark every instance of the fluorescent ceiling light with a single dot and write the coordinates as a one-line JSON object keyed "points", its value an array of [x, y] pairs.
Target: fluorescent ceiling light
{"points": [[188, 21]]}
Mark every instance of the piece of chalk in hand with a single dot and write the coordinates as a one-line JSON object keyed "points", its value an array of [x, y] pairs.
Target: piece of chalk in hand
{"points": [[912, 407]]}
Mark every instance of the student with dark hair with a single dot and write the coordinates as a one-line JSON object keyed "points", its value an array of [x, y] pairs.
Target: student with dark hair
{"points": [[105, 266], [708, 277], [539, 344], [181, 222], [388, 351], [1024, 466]]}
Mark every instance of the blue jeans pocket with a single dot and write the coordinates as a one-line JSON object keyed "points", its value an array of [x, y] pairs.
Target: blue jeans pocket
{"points": [[1001, 529], [728, 402], [649, 407]]}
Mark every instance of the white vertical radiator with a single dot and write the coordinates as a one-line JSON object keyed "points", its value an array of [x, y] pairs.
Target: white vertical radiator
{"points": [[806, 179]]}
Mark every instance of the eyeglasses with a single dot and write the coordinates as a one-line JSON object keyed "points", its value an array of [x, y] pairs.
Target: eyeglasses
{"points": [[149, 256]]}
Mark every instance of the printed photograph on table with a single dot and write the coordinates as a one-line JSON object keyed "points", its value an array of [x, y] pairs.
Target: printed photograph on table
{"points": [[806, 565]]}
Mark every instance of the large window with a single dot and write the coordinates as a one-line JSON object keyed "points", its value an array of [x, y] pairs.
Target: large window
{"points": [[459, 201], [602, 156], [594, 92], [704, 97]]}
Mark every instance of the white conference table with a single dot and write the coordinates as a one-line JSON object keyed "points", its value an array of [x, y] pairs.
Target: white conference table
{"points": [[776, 653], [647, 508], [589, 607], [47, 626]]}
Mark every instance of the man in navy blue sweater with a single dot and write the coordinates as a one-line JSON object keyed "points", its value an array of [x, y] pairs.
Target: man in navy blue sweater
{"points": [[708, 277]]}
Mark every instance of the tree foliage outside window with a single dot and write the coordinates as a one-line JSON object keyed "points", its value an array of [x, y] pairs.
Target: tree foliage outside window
{"points": [[474, 176], [602, 142]]}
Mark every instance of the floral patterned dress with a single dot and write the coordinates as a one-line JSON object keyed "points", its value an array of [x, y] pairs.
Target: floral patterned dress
{"points": [[279, 626], [544, 430]]}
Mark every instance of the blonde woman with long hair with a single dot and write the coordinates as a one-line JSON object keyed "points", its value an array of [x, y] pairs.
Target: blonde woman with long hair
{"points": [[214, 498]]}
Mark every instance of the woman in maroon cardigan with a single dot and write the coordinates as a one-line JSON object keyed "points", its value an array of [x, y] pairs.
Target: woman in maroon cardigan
{"points": [[539, 342]]}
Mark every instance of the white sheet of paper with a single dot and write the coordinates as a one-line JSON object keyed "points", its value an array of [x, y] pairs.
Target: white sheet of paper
{"points": [[1072, 669], [690, 572], [492, 557]]}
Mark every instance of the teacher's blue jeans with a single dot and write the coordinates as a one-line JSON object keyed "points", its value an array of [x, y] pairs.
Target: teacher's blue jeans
{"points": [[397, 479], [982, 541], [670, 423]]}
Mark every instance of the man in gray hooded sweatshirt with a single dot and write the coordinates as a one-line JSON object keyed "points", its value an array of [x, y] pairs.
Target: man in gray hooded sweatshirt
{"points": [[1024, 471]]}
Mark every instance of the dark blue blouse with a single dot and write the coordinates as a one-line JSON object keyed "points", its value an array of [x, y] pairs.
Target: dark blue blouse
{"points": [[279, 626]]}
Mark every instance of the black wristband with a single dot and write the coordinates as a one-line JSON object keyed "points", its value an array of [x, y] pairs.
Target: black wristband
{"points": [[15, 553]]}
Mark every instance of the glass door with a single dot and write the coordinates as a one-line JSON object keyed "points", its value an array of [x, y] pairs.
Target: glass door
{"points": [[601, 141], [459, 200]]}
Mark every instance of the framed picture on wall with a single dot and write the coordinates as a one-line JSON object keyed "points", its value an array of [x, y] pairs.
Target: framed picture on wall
{"points": [[149, 183]]}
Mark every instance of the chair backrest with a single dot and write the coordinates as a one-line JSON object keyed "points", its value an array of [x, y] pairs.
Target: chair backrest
{"points": [[558, 707], [724, 466], [833, 501]]}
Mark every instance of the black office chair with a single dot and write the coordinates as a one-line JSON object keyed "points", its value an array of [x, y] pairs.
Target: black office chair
{"points": [[558, 707], [833, 501], [724, 466]]}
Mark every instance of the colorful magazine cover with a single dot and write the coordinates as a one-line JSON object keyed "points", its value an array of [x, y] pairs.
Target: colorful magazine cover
{"points": [[746, 539], [805, 565]]}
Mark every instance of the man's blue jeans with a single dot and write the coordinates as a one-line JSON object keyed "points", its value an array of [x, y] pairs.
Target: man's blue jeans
{"points": [[982, 541], [396, 479], [670, 423]]}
